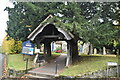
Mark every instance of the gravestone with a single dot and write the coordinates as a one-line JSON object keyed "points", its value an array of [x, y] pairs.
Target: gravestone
{"points": [[95, 51], [104, 51], [90, 49], [85, 48]]}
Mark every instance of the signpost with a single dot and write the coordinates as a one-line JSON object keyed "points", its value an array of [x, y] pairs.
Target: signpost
{"points": [[26, 65], [27, 49], [112, 64]]}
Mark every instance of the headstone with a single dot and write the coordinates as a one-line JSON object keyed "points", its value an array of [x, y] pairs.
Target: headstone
{"points": [[90, 49], [117, 51], [85, 48], [95, 51], [104, 51]]}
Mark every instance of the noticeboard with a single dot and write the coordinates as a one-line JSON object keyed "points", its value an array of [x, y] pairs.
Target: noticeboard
{"points": [[27, 48]]}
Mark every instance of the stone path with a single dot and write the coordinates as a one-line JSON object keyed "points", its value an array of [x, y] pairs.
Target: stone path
{"points": [[50, 69], [1, 64]]}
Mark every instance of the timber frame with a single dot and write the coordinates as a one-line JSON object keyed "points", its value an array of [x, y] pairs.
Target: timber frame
{"points": [[48, 32]]}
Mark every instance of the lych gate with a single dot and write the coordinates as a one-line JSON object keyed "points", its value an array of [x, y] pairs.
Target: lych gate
{"points": [[46, 33]]}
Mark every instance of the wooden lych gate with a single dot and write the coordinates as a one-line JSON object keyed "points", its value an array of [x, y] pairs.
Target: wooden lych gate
{"points": [[47, 33]]}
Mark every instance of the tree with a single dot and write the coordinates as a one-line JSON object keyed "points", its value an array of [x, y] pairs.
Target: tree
{"points": [[81, 19], [101, 17], [25, 17], [11, 46], [25, 14]]}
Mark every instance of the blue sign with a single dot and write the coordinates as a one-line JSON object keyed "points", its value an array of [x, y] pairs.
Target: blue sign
{"points": [[27, 48]]}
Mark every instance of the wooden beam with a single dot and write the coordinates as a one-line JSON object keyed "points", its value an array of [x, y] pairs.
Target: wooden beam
{"points": [[50, 36], [69, 56]]}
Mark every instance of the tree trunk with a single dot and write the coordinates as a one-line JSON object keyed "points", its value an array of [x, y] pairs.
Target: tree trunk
{"points": [[72, 52], [74, 47], [69, 56]]}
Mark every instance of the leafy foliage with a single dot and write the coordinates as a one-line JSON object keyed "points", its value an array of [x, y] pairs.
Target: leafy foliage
{"points": [[92, 22], [11, 46]]}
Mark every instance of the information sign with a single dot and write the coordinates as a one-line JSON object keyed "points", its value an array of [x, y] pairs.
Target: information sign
{"points": [[27, 48]]}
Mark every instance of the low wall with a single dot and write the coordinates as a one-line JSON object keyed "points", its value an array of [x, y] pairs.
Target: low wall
{"points": [[111, 72]]}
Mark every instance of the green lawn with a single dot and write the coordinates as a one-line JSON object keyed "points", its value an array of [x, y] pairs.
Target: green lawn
{"points": [[88, 63], [54, 53], [16, 61]]}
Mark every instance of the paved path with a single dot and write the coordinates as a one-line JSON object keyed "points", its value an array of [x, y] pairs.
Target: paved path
{"points": [[1, 64], [50, 68]]}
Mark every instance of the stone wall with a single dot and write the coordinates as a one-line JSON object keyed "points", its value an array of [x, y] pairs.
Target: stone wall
{"points": [[111, 72]]}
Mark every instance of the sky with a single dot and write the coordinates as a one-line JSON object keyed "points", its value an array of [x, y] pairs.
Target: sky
{"points": [[3, 17]]}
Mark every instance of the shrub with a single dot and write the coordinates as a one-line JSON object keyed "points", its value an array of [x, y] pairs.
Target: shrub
{"points": [[11, 46]]}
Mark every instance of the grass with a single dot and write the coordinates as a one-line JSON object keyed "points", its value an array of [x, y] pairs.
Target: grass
{"points": [[16, 61], [88, 63], [54, 53]]}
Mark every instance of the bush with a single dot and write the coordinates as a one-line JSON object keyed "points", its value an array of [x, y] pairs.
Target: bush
{"points": [[9, 45]]}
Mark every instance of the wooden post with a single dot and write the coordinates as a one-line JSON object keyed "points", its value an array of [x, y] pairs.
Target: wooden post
{"points": [[26, 65], [69, 59], [49, 49], [38, 44], [56, 67], [45, 51]]}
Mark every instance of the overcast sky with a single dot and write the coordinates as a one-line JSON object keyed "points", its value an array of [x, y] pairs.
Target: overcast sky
{"points": [[3, 17]]}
